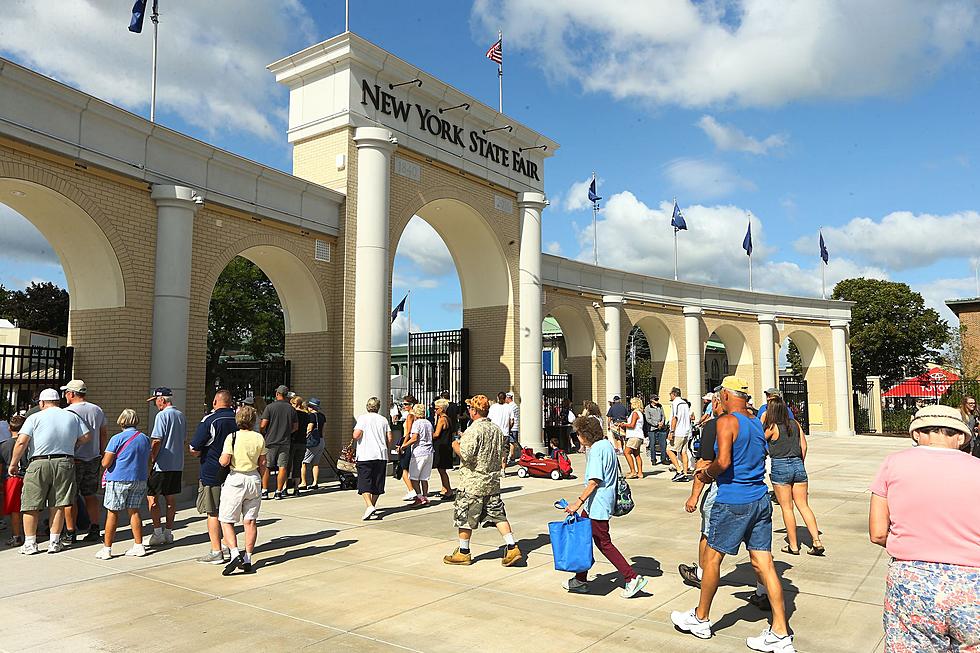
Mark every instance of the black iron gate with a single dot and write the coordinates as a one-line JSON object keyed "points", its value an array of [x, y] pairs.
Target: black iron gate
{"points": [[253, 378], [555, 388], [439, 361], [26, 370], [795, 395], [641, 386], [864, 416]]}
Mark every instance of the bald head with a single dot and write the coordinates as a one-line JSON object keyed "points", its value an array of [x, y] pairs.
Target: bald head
{"points": [[222, 399]]}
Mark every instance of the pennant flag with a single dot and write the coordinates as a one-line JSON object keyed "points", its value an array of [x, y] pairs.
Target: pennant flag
{"points": [[496, 52], [824, 254], [747, 241], [399, 309], [139, 12], [592, 196], [677, 221]]}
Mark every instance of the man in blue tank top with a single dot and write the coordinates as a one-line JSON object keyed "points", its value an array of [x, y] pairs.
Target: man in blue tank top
{"points": [[741, 513]]}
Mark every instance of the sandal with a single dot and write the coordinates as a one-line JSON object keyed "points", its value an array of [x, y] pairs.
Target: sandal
{"points": [[817, 549], [790, 551]]}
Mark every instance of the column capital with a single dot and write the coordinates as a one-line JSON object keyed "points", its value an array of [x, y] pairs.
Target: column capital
{"points": [[767, 319], [176, 196], [532, 200], [376, 138], [839, 324], [692, 311], [611, 300]]}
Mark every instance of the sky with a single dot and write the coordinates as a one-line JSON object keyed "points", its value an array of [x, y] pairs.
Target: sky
{"points": [[857, 118]]}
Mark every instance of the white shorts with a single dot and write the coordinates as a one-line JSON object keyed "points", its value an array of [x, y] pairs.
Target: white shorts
{"points": [[420, 468], [241, 496]]}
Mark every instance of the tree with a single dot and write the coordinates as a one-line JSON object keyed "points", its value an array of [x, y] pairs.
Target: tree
{"points": [[40, 307], [245, 315], [893, 334], [794, 361]]}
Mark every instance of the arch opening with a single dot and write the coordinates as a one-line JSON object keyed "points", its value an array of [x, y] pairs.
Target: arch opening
{"points": [[726, 352], [803, 376], [568, 347], [651, 360]]}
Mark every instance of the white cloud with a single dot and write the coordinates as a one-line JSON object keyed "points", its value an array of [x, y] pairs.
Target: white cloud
{"points": [[704, 179], [553, 247], [424, 248], [577, 196], [729, 137], [741, 52], [903, 240], [212, 55], [23, 243], [399, 333], [937, 291]]}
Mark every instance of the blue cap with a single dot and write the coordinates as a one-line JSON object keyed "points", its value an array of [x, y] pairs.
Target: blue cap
{"points": [[313, 401], [161, 392]]}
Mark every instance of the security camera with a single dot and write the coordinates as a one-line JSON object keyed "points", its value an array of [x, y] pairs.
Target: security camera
{"points": [[595, 304]]}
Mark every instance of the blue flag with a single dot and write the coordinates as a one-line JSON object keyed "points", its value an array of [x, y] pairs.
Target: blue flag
{"points": [[677, 221], [747, 241], [139, 12], [824, 254], [399, 309], [592, 196]]}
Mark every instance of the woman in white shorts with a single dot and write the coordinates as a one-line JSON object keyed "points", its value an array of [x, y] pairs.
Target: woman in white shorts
{"points": [[241, 495], [420, 441]]}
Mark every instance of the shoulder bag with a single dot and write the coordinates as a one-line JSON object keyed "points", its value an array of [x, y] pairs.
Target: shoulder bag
{"points": [[118, 452], [624, 495]]}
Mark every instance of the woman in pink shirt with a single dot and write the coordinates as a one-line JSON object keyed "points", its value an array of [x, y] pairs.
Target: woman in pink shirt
{"points": [[926, 513]]}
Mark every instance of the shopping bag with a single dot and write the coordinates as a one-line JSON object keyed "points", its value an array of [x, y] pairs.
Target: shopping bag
{"points": [[571, 543]]}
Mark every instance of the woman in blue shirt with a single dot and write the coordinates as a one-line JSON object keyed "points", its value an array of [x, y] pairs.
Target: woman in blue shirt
{"points": [[597, 502], [127, 465]]}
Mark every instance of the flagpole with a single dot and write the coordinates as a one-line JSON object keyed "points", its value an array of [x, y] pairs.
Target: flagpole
{"points": [[750, 273], [675, 246], [347, 15], [408, 341], [500, 72], [155, 17], [595, 232], [823, 281]]}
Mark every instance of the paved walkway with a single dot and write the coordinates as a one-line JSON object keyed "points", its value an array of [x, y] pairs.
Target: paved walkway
{"points": [[327, 581]]}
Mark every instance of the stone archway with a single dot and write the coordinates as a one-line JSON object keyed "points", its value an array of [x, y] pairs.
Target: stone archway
{"points": [[663, 353], [740, 361], [819, 382], [580, 347]]}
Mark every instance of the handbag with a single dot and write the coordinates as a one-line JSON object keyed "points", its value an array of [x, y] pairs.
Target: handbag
{"points": [[624, 495], [118, 452], [346, 460], [571, 543]]}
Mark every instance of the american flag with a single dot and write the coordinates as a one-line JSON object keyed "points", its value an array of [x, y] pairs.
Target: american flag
{"points": [[496, 52]]}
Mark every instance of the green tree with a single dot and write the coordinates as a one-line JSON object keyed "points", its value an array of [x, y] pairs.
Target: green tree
{"points": [[245, 315], [893, 334], [794, 360], [39, 307]]}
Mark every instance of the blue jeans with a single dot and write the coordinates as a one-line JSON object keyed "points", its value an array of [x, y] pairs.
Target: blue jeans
{"points": [[786, 471], [731, 524], [657, 440]]}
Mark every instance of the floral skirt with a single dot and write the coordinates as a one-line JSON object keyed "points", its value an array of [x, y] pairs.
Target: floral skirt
{"points": [[931, 607]]}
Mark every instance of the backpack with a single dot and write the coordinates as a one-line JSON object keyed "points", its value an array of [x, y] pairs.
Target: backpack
{"points": [[624, 495]]}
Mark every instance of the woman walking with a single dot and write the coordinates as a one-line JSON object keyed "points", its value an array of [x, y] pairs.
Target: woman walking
{"points": [[314, 445], [243, 452], [405, 455], [596, 502], [127, 465], [419, 443], [634, 438], [787, 449], [924, 511], [968, 413], [442, 440]]}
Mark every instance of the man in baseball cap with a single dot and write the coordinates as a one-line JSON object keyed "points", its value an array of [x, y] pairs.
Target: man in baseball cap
{"points": [[167, 460], [617, 413], [88, 463]]}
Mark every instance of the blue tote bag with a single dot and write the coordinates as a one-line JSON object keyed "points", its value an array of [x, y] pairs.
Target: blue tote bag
{"points": [[571, 543]]}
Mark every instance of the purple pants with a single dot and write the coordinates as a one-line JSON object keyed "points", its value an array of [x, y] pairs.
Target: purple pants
{"points": [[600, 535]]}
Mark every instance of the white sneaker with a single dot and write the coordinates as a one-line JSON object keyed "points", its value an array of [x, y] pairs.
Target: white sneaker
{"points": [[770, 641], [409, 497], [156, 539], [105, 553], [168, 536], [633, 587], [689, 623], [137, 551], [29, 549], [368, 512], [56, 547], [575, 586]]}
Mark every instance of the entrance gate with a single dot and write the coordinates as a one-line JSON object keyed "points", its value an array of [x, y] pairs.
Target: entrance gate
{"points": [[26, 370], [438, 361], [253, 378], [555, 388], [795, 394]]}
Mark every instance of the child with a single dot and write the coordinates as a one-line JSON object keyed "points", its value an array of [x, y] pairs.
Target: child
{"points": [[12, 484]]}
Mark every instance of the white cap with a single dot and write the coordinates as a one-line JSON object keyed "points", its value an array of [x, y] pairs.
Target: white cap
{"points": [[49, 394]]}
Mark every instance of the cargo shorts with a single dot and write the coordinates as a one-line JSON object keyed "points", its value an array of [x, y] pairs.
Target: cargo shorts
{"points": [[469, 511]]}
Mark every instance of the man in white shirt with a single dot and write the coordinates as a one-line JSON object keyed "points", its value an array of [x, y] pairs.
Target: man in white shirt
{"points": [[503, 417], [680, 431], [372, 433], [513, 436]]}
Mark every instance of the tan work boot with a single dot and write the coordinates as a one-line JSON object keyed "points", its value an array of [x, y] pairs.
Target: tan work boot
{"points": [[512, 557], [458, 558]]}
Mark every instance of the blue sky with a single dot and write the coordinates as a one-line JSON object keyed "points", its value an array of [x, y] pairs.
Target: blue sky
{"points": [[859, 118]]}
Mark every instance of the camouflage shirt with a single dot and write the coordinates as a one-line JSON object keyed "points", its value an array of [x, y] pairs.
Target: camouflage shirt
{"points": [[480, 455]]}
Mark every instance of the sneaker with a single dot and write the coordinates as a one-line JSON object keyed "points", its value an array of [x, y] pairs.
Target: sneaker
{"points": [[411, 496], [770, 641], [761, 601], [512, 556], [156, 539], [168, 536], [458, 558], [633, 587], [225, 554], [212, 558], [68, 538], [678, 477], [689, 623], [575, 586], [236, 563], [105, 553], [690, 575], [94, 534], [277, 496], [419, 501], [29, 549], [265, 494], [15, 540], [56, 547], [136, 551], [368, 512]]}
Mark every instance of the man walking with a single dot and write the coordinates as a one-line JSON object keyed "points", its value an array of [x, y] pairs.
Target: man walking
{"points": [[617, 413], [680, 431], [656, 425], [372, 433], [502, 417], [513, 438], [278, 423], [741, 513], [208, 440], [88, 461], [52, 437], [478, 496], [167, 460]]}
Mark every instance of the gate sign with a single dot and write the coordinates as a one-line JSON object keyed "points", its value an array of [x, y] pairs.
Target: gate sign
{"points": [[928, 385]]}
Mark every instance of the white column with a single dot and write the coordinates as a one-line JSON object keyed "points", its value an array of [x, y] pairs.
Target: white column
{"points": [[172, 289], [614, 347], [692, 348], [842, 396], [372, 342], [767, 346], [531, 427]]}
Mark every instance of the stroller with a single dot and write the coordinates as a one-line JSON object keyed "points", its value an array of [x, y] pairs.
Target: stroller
{"points": [[348, 481]]}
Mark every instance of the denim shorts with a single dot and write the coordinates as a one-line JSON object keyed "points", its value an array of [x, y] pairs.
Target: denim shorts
{"points": [[707, 503], [787, 470], [731, 524]]}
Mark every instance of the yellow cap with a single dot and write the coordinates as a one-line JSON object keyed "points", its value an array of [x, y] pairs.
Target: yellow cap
{"points": [[735, 383]]}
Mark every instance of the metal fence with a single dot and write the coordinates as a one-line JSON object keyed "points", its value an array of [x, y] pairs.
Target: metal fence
{"points": [[439, 361], [555, 388], [26, 370], [900, 401], [795, 394], [253, 378], [641, 386], [865, 418]]}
